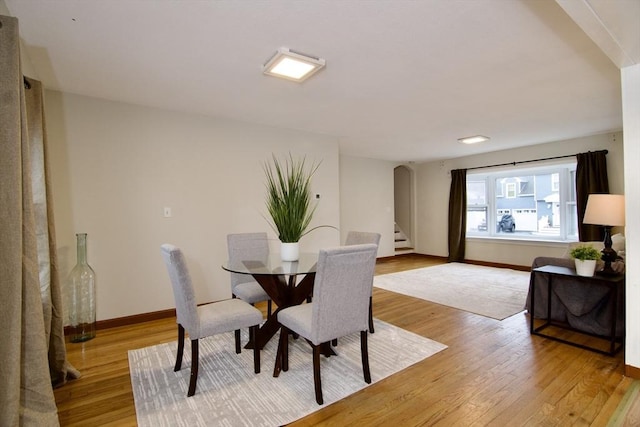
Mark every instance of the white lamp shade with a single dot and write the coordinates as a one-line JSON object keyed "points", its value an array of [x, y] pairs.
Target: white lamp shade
{"points": [[605, 209]]}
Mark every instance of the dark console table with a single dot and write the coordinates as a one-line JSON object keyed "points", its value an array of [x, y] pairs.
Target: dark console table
{"points": [[615, 283]]}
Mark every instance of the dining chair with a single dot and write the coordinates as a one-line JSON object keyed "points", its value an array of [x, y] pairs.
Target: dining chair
{"points": [[359, 238], [205, 320], [340, 306], [247, 246]]}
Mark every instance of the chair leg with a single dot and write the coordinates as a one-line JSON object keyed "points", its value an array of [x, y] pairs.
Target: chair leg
{"points": [[316, 374], [237, 334], [194, 368], [238, 347], [365, 357], [371, 314], [268, 309], [284, 349], [178, 365], [256, 349]]}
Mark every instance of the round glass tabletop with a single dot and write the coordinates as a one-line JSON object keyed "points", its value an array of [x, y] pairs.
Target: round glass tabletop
{"points": [[273, 265]]}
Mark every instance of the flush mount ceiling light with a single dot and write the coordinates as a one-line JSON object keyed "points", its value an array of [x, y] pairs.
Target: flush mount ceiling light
{"points": [[291, 65], [473, 139]]}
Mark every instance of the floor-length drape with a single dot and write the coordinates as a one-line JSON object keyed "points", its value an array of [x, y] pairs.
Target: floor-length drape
{"points": [[30, 323], [457, 215], [50, 290], [591, 177]]}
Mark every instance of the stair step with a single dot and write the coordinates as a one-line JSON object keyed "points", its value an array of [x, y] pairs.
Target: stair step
{"points": [[402, 251]]}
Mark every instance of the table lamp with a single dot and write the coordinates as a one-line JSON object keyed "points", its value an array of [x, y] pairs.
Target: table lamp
{"points": [[606, 210]]}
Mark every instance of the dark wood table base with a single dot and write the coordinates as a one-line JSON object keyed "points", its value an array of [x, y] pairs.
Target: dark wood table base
{"points": [[284, 293]]}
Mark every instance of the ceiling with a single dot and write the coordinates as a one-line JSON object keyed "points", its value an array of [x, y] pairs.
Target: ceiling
{"points": [[404, 79]]}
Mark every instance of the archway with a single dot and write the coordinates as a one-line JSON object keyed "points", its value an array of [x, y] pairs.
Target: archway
{"points": [[403, 209]]}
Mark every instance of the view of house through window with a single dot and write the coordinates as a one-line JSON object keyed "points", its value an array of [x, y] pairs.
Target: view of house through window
{"points": [[532, 203]]}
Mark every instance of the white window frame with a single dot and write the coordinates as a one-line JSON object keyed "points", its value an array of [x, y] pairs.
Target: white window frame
{"points": [[567, 206], [555, 182]]}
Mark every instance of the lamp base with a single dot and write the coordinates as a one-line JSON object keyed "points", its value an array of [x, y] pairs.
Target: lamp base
{"points": [[607, 270], [609, 255]]}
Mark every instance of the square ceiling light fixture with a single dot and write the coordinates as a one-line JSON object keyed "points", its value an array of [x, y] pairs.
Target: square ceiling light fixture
{"points": [[473, 139], [291, 65]]}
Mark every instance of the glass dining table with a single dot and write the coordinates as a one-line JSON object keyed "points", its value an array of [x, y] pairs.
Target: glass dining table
{"points": [[280, 280]]}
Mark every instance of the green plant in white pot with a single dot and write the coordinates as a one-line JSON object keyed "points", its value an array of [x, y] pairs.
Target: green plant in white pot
{"points": [[289, 201], [585, 257]]}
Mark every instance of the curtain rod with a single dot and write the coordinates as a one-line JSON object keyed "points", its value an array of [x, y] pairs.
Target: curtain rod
{"points": [[533, 160]]}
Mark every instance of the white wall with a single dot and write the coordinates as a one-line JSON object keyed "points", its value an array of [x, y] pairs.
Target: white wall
{"points": [[631, 118], [366, 199], [115, 166], [434, 180]]}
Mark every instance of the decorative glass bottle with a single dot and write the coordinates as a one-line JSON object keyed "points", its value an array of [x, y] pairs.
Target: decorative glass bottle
{"points": [[82, 291]]}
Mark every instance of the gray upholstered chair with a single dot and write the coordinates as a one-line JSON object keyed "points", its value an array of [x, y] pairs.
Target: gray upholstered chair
{"points": [[205, 320], [340, 306], [247, 246], [360, 238]]}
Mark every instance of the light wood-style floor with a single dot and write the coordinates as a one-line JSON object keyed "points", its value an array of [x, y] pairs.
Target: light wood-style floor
{"points": [[493, 373]]}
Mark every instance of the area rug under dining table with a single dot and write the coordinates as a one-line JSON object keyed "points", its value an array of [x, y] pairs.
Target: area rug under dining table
{"points": [[230, 394]]}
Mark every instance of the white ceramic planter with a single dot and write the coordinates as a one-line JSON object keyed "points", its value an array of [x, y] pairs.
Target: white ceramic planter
{"points": [[586, 267], [290, 251]]}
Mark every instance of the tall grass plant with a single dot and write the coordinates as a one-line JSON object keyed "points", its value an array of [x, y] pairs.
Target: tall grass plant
{"points": [[289, 197]]}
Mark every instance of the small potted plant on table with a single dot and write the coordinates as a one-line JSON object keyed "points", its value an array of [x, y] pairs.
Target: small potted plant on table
{"points": [[585, 257]]}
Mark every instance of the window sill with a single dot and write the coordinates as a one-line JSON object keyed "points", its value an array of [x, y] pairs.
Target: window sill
{"points": [[520, 240]]}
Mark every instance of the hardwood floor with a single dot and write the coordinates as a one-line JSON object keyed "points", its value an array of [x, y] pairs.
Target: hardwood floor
{"points": [[492, 373]]}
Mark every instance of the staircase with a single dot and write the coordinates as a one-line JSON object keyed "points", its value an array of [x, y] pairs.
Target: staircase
{"points": [[402, 243]]}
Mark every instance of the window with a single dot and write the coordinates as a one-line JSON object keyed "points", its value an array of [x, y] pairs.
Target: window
{"points": [[477, 203], [523, 203]]}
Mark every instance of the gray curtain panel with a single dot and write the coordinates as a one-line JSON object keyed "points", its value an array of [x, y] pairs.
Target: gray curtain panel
{"points": [[591, 177], [457, 215], [30, 322]]}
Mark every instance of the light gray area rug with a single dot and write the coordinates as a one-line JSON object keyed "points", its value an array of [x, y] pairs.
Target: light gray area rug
{"points": [[491, 292], [230, 394]]}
